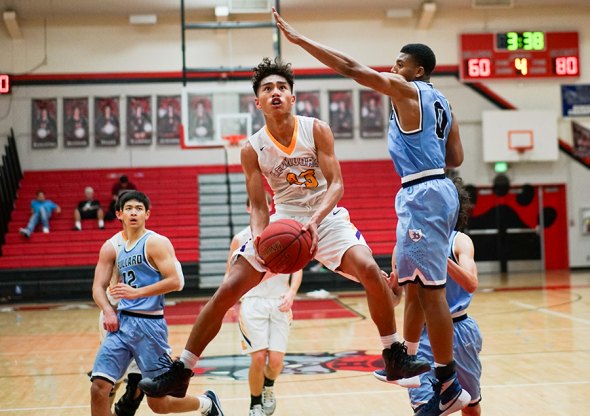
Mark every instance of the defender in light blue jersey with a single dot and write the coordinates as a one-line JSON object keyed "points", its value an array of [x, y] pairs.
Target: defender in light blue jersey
{"points": [[423, 141], [467, 343], [148, 269]]}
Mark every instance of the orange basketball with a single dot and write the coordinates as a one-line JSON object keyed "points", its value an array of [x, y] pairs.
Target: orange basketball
{"points": [[284, 247]]}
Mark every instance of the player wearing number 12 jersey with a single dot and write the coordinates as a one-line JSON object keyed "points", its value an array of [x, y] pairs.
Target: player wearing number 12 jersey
{"points": [[296, 156]]}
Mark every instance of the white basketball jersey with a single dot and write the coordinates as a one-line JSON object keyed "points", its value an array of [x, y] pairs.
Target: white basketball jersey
{"points": [[269, 288], [292, 172]]}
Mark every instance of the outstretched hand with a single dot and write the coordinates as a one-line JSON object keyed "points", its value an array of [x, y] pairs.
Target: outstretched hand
{"points": [[313, 229], [291, 34]]}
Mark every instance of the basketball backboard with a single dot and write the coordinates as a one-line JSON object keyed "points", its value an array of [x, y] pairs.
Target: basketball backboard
{"points": [[515, 135], [214, 119]]}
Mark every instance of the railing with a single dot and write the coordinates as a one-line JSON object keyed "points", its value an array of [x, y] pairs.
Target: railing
{"points": [[10, 176]]}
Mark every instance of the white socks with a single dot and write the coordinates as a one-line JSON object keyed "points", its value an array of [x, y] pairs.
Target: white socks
{"points": [[188, 359], [412, 347], [387, 340], [78, 225]]}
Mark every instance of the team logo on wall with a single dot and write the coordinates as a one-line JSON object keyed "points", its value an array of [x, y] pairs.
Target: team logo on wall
{"points": [[236, 367], [415, 235]]}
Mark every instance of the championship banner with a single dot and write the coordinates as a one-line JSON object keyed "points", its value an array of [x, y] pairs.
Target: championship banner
{"points": [[75, 119], [575, 100], [139, 121], [169, 119], [43, 123], [341, 119], [372, 115], [107, 131], [581, 139], [308, 104]]}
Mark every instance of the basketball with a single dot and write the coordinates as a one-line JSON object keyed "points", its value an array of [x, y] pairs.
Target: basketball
{"points": [[284, 247]]}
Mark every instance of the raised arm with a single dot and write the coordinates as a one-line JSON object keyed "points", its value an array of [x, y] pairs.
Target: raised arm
{"points": [[387, 83]]}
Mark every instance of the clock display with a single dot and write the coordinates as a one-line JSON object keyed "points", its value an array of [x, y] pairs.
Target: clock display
{"points": [[520, 41], [519, 55]]}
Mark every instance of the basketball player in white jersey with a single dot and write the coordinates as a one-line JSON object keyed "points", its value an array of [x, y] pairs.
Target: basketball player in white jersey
{"points": [[265, 321], [296, 156]]}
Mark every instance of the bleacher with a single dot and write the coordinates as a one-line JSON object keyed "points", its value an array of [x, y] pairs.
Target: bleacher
{"points": [[370, 188]]}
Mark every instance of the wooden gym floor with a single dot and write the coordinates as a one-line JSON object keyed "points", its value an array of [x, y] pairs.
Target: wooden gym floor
{"points": [[536, 355]]}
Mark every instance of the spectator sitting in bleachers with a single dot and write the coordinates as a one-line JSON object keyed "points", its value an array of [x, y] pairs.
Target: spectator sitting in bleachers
{"points": [[88, 208], [41, 210], [119, 187]]}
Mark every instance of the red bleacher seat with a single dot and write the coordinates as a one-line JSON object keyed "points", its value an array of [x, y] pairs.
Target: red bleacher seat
{"points": [[370, 188]]}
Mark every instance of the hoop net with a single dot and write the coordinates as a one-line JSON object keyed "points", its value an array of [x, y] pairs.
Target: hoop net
{"points": [[234, 139]]}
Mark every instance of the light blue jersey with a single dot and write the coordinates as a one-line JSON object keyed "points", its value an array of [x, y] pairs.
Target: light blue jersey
{"points": [[136, 271], [457, 297], [421, 150], [428, 204], [142, 333], [467, 344]]}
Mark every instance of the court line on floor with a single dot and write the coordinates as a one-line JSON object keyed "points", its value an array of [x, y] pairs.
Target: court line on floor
{"points": [[550, 312], [316, 395]]}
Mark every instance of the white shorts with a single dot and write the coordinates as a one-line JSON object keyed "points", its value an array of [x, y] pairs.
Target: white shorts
{"points": [[336, 234], [263, 326]]}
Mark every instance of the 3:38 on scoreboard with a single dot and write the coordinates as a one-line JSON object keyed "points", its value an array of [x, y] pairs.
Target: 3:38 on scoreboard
{"points": [[513, 54]]}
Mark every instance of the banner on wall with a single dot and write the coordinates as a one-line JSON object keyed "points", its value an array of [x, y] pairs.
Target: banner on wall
{"points": [[341, 119], [581, 139], [139, 121], [169, 119], [308, 104], [200, 118], [247, 105], [575, 100], [372, 117], [75, 122], [43, 123], [106, 125]]}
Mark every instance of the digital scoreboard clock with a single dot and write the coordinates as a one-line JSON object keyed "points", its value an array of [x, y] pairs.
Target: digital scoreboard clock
{"points": [[526, 54]]}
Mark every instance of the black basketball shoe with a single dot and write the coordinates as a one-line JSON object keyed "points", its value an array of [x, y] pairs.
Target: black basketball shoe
{"points": [[398, 364], [128, 404], [173, 382]]}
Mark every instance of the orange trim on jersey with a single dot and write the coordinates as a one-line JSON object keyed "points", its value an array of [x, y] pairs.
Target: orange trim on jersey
{"points": [[287, 150]]}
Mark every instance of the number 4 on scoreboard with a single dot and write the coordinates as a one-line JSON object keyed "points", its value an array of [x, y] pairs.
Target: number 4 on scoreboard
{"points": [[521, 65]]}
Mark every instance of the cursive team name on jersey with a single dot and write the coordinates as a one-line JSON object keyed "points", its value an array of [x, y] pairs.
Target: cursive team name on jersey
{"points": [[130, 261], [309, 161]]}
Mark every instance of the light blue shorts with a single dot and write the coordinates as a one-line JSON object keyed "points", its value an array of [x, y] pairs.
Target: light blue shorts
{"points": [[427, 214], [467, 344], [144, 339]]}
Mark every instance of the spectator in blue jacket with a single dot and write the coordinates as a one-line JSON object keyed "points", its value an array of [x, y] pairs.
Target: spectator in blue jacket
{"points": [[41, 210]]}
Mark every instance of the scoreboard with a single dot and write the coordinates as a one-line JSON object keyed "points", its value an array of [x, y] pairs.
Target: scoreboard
{"points": [[508, 55]]}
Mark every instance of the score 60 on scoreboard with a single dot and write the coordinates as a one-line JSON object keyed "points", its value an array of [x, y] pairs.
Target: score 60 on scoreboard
{"points": [[509, 55]]}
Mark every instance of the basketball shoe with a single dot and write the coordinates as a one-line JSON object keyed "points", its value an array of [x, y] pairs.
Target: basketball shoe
{"points": [[256, 410], [448, 398], [408, 383], [398, 364], [215, 409], [173, 382], [128, 403], [269, 403]]}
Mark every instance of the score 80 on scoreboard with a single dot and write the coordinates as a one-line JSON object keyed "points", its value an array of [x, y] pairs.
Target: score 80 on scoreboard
{"points": [[509, 55]]}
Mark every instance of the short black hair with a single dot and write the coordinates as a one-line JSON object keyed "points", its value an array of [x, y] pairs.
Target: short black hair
{"points": [[268, 67], [138, 196], [465, 204], [422, 55], [123, 179], [118, 201]]}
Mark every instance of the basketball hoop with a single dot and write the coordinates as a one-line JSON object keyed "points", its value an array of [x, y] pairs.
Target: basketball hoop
{"points": [[234, 139], [521, 141]]}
